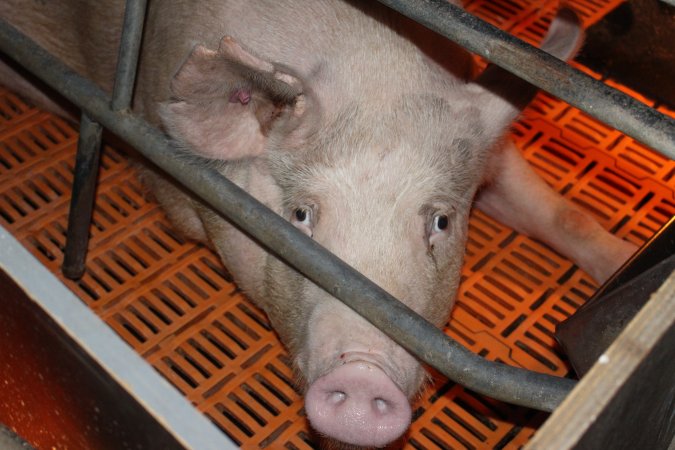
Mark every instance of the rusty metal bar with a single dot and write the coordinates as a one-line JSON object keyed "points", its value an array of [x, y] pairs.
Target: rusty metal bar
{"points": [[400, 323], [544, 71]]}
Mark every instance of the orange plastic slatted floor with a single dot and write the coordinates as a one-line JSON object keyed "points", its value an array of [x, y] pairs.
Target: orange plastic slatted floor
{"points": [[174, 302]]}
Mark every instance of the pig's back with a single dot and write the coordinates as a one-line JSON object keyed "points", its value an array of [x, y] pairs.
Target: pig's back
{"points": [[82, 33], [344, 50]]}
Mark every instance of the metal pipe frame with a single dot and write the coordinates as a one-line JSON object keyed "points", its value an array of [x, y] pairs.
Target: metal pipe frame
{"points": [[89, 143], [400, 323], [82, 201], [606, 104], [395, 319], [127, 60]]}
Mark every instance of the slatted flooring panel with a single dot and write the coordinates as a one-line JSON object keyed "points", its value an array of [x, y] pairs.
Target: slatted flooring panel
{"points": [[175, 303]]}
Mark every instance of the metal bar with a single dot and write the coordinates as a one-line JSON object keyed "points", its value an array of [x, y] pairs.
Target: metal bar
{"points": [[89, 144], [544, 71], [9, 440], [82, 200], [399, 322], [127, 60], [82, 343]]}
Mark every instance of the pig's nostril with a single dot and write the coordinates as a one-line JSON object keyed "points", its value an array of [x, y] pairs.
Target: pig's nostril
{"points": [[337, 397], [381, 405], [358, 404]]}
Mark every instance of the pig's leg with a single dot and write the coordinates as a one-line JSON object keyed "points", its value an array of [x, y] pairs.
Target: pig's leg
{"points": [[177, 205], [518, 197]]}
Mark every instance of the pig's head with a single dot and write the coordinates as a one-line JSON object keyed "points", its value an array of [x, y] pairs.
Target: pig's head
{"points": [[386, 184]]}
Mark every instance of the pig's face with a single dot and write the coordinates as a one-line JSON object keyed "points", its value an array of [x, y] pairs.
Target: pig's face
{"points": [[390, 195], [385, 182]]}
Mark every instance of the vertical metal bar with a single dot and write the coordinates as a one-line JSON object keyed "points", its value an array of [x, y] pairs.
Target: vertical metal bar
{"points": [[127, 61], [89, 144], [82, 200]]}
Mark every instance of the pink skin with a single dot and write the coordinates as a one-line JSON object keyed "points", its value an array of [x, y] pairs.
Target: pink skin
{"points": [[357, 403], [340, 58], [242, 96]]}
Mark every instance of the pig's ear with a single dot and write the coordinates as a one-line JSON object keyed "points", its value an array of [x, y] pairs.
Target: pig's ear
{"points": [[504, 95], [225, 102]]}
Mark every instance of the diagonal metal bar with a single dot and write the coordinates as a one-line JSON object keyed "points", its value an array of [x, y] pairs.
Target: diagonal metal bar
{"points": [[544, 71], [399, 322]]}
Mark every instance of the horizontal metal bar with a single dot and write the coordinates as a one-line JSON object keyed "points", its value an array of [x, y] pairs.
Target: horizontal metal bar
{"points": [[399, 322], [544, 71]]}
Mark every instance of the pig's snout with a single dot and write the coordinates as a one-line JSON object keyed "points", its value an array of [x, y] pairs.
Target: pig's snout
{"points": [[357, 403]]}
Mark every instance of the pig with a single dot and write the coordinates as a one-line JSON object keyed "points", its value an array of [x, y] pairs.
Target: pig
{"points": [[369, 133]]}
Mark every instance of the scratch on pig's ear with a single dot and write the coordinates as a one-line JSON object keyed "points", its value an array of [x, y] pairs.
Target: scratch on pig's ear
{"points": [[281, 87]]}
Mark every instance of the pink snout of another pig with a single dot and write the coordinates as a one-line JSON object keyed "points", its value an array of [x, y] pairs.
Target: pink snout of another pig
{"points": [[358, 403]]}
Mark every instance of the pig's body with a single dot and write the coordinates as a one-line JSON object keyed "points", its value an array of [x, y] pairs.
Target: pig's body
{"points": [[361, 129]]}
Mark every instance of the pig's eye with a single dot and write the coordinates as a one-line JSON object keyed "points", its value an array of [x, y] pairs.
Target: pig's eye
{"points": [[438, 229], [440, 223], [301, 215], [302, 219]]}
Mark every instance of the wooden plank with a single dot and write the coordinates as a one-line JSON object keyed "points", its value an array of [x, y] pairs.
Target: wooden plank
{"points": [[627, 399]]}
